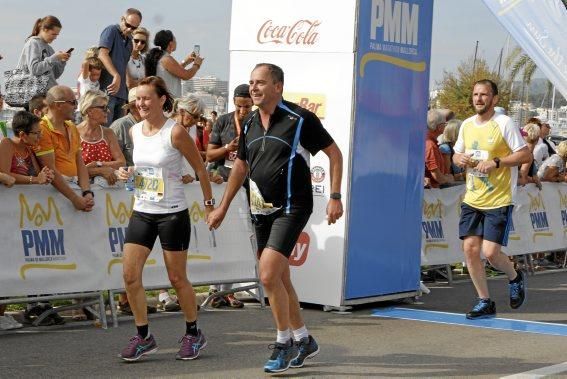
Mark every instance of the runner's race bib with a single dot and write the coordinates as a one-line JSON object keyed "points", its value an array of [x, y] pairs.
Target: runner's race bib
{"points": [[257, 204], [477, 156], [149, 184], [230, 158]]}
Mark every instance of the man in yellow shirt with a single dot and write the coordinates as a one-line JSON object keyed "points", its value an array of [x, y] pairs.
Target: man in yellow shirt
{"points": [[491, 148], [59, 147]]}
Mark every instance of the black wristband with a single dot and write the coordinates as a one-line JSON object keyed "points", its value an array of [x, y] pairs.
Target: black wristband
{"points": [[85, 192], [336, 195]]}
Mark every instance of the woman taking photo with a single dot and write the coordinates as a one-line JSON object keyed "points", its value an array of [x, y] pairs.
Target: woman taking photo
{"points": [[100, 150], [160, 209], [159, 62], [39, 56], [136, 69]]}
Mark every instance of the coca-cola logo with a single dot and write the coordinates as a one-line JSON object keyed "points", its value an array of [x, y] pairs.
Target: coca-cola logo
{"points": [[302, 32]]}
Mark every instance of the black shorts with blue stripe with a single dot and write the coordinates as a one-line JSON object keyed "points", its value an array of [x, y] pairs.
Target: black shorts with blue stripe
{"points": [[490, 224]]}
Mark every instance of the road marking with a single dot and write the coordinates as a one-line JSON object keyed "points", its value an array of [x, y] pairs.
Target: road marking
{"points": [[540, 372], [460, 319]]}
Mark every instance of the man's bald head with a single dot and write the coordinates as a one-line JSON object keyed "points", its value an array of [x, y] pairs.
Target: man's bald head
{"points": [[58, 93]]}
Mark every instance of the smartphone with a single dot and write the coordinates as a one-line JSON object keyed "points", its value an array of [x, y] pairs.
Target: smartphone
{"points": [[70, 50], [197, 49]]}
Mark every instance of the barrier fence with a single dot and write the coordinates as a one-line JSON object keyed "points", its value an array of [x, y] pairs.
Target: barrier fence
{"points": [[49, 247], [539, 222]]}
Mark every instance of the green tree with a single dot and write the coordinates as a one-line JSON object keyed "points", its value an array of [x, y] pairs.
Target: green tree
{"points": [[455, 89]]}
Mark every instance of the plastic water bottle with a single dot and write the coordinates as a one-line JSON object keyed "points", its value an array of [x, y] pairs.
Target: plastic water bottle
{"points": [[129, 184]]}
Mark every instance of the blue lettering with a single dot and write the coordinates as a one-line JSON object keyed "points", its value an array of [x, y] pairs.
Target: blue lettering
{"points": [[116, 236], [564, 217], [41, 242], [57, 240], [433, 229], [27, 239], [539, 220]]}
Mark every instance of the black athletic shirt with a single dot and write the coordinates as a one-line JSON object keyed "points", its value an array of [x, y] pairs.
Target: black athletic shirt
{"points": [[279, 157]]}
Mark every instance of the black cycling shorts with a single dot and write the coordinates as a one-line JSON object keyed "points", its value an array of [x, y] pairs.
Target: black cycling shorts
{"points": [[173, 229], [279, 231]]}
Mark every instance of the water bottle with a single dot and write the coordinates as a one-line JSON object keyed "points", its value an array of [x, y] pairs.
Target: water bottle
{"points": [[129, 184]]}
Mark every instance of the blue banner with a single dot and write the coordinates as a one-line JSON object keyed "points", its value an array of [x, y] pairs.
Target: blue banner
{"points": [[392, 80]]}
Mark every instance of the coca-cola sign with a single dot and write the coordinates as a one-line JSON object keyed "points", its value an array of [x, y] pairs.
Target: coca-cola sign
{"points": [[302, 32]]}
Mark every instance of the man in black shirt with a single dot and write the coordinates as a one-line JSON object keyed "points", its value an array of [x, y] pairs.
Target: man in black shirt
{"points": [[274, 148]]}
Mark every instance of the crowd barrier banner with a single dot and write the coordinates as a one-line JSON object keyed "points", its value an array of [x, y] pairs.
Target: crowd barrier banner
{"points": [[49, 247], [539, 28], [539, 222]]}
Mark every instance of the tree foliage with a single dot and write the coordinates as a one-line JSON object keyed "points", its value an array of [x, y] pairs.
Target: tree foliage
{"points": [[455, 89]]}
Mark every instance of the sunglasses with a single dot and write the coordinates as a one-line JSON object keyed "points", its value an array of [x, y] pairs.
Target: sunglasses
{"points": [[142, 41], [127, 25], [36, 133], [72, 102], [101, 107]]}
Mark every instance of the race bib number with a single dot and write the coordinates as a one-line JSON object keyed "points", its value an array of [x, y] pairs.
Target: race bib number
{"points": [[257, 204], [477, 156], [149, 184], [229, 159]]}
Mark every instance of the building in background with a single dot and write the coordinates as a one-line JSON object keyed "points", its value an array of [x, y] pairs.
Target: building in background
{"points": [[212, 90]]}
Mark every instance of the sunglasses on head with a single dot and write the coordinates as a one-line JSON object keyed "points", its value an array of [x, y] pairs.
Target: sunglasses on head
{"points": [[142, 41], [72, 102]]}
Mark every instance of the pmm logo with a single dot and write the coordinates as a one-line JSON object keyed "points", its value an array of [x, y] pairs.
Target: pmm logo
{"points": [[399, 22], [299, 254], [37, 215], [121, 213], [196, 213], [432, 210], [536, 203]]}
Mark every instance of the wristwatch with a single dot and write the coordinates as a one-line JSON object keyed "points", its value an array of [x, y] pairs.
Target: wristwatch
{"points": [[210, 202], [336, 195], [497, 161], [86, 192]]}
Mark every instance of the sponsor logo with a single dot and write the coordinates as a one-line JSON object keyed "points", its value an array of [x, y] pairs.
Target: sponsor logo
{"points": [[301, 32], [432, 226], [117, 217], [314, 102], [394, 27], [42, 236], [563, 208], [317, 174], [538, 217], [300, 251]]}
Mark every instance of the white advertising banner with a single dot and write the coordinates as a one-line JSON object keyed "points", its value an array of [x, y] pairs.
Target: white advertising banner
{"points": [[293, 25], [539, 223], [49, 247], [539, 28]]}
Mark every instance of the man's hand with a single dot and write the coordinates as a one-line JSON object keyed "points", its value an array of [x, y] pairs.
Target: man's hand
{"points": [[233, 145], [334, 211], [115, 85], [485, 166], [108, 174], [215, 218], [84, 204], [463, 160]]}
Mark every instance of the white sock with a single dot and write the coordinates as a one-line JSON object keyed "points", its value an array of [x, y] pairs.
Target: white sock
{"points": [[283, 336], [300, 333]]}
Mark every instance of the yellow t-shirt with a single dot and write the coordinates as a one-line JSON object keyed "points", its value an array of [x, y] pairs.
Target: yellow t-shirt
{"points": [[498, 137]]}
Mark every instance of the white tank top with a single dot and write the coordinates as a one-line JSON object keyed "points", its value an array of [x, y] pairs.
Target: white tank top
{"points": [[157, 152]]}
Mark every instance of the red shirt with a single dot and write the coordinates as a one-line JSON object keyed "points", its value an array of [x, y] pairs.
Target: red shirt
{"points": [[433, 160]]}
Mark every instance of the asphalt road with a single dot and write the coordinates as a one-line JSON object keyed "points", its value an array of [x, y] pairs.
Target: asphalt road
{"points": [[356, 344]]}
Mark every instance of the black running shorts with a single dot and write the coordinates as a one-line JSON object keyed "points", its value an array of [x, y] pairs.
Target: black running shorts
{"points": [[173, 229], [279, 231], [490, 224]]}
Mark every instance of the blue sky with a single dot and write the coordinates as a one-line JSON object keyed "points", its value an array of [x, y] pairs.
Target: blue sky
{"points": [[457, 25]]}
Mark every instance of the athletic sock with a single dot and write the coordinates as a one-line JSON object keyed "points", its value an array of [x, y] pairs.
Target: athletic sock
{"points": [[283, 336], [143, 331], [191, 328], [300, 333], [517, 279]]}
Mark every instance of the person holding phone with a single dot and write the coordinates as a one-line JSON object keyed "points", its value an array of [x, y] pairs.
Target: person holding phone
{"points": [[39, 56], [160, 62]]}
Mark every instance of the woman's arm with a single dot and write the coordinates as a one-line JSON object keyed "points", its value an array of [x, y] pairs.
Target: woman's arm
{"points": [[175, 69]]}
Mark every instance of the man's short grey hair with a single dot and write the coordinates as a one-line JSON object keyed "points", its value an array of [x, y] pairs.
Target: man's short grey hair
{"points": [[189, 103], [434, 118]]}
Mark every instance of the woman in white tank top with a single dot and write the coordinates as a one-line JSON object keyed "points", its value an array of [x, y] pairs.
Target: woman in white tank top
{"points": [[160, 209]]}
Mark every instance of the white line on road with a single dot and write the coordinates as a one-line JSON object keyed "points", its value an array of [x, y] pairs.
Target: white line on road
{"points": [[540, 372]]}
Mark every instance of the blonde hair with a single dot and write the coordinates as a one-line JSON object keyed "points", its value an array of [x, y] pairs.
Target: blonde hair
{"points": [[532, 131], [91, 52], [144, 31], [89, 99], [451, 132], [189, 103], [562, 150]]}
